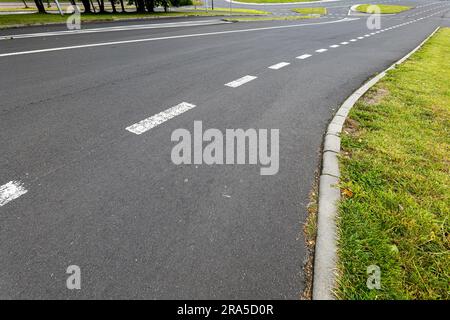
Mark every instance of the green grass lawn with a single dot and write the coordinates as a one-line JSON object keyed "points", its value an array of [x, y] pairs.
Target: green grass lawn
{"points": [[384, 8], [37, 19], [318, 10], [395, 211], [274, 18]]}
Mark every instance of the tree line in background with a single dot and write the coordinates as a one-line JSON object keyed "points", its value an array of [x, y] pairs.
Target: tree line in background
{"points": [[142, 6]]}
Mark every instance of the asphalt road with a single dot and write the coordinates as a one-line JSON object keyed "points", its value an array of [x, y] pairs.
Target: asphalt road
{"points": [[113, 203]]}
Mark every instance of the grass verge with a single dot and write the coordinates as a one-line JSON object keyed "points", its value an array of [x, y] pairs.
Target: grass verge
{"points": [[317, 10], [395, 211], [384, 8], [41, 19], [274, 18]]}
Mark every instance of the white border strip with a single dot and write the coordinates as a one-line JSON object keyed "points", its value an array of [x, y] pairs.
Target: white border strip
{"points": [[240, 81], [325, 258], [157, 119], [10, 191]]}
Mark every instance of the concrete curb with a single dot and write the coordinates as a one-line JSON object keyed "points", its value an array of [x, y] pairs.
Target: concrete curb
{"points": [[325, 258]]}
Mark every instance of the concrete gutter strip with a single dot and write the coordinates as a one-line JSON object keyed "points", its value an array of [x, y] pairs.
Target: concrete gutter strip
{"points": [[325, 259]]}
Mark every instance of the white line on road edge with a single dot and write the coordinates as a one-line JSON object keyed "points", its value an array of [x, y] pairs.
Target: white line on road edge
{"points": [[325, 257], [101, 44], [10, 191], [304, 56], [321, 50], [117, 28], [157, 119], [240, 81], [279, 65]]}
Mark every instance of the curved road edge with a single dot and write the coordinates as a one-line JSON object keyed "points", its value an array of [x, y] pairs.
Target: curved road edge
{"points": [[325, 255]]}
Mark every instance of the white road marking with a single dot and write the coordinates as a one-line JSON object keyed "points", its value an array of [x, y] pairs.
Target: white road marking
{"points": [[344, 43], [360, 38], [10, 191], [240, 81], [109, 29], [101, 44], [157, 119], [321, 50], [279, 65], [334, 46], [304, 56], [353, 40]]}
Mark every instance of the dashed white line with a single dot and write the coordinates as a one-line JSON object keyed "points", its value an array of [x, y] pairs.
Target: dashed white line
{"points": [[334, 46], [279, 65], [321, 50], [10, 191], [353, 40], [360, 38], [153, 121], [240, 81], [304, 56], [344, 43]]}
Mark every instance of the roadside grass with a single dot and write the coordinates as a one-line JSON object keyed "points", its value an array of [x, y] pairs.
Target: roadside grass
{"points": [[384, 8], [274, 18], [395, 177], [40, 19], [234, 10], [318, 10]]}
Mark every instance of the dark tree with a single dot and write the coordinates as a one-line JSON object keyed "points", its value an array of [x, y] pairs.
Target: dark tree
{"points": [[150, 5], [87, 6], [113, 5], [121, 4], [140, 6], [40, 6], [101, 6]]}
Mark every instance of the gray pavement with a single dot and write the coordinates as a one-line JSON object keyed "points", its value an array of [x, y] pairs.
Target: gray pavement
{"points": [[113, 202]]}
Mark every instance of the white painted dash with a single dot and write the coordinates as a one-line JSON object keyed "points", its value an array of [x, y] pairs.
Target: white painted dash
{"points": [[360, 38], [344, 43], [334, 46], [153, 121], [321, 50], [353, 40], [304, 56], [279, 65], [10, 191], [240, 81]]}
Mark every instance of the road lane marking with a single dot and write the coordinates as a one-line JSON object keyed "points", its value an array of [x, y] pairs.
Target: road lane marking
{"points": [[10, 191], [360, 38], [353, 40], [279, 65], [240, 81], [334, 46], [304, 56], [321, 50], [153, 121], [344, 43], [101, 44], [117, 28]]}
